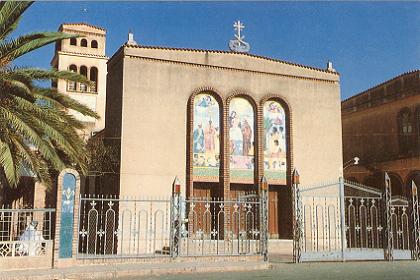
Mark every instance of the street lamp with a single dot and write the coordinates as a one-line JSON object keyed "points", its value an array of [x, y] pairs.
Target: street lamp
{"points": [[353, 161]]}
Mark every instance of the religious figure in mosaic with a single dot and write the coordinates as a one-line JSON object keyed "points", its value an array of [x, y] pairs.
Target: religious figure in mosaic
{"points": [[198, 139], [247, 136], [209, 135]]}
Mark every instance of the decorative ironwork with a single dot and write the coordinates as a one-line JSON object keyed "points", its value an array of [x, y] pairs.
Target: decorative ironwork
{"points": [[388, 216], [175, 220], [297, 219], [123, 227], [223, 227], [349, 221], [416, 222], [264, 219], [175, 226]]}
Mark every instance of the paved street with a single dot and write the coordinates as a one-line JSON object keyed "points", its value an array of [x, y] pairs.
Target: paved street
{"points": [[399, 270]]}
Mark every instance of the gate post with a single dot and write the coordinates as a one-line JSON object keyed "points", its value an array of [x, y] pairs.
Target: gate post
{"points": [[67, 218], [297, 219], [416, 222], [342, 217], [388, 231], [264, 218], [175, 218]]}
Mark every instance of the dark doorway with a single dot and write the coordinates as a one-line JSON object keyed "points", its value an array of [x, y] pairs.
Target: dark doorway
{"points": [[280, 212]]}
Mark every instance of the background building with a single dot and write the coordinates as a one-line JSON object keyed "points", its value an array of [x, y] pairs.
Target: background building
{"points": [[381, 126]]}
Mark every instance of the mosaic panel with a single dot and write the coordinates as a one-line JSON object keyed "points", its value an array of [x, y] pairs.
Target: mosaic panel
{"points": [[241, 139], [206, 138], [275, 156]]}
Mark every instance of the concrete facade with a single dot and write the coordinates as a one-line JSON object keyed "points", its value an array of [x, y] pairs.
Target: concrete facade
{"points": [[381, 126], [149, 89], [84, 55]]}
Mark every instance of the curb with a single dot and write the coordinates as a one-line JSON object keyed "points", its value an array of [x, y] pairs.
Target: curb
{"points": [[116, 271]]}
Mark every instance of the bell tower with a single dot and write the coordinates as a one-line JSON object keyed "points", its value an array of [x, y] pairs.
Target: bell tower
{"points": [[84, 55]]}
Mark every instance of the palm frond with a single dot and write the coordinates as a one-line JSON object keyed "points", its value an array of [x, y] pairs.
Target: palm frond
{"points": [[8, 162], [40, 74], [10, 50], [66, 101], [10, 13]]}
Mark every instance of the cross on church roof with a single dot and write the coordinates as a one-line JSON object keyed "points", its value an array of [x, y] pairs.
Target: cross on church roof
{"points": [[238, 27], [238, 44]]}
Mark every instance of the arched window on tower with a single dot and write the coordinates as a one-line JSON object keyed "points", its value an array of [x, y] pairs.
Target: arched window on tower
{"points": [[71, 85], [73, 41], [83, 71], [83, 43], [94, 44], [94, 78], [405, 131]]}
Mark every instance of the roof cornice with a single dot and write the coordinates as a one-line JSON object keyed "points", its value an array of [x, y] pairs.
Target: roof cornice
{"points": [[231, 53]]}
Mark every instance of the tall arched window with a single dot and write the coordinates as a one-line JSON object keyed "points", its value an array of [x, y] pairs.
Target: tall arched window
{"points": [[241, 141], [275, 168], [94, 44], [71, 86], [83, 71], [206, 144], [83, 43], [94, 79], [73, 41], [275, 154], [405, 131]]}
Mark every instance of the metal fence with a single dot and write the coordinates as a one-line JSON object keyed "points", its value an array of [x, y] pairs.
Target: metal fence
{"points": [[111, 227], [26, 232], [220, 227], [347, 221], [123, 227]]}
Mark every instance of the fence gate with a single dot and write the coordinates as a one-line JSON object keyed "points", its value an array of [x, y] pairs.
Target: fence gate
{"points": [[347, 221], [220, 227]]}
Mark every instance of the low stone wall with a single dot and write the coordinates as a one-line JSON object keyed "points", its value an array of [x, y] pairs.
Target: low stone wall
{"points": [[29, 262]]}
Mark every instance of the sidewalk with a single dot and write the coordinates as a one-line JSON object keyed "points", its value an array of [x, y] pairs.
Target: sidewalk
{"points": [[117, 270]]}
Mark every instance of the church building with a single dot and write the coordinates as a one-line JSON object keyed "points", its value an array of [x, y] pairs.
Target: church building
{"points": [[220, 121]]}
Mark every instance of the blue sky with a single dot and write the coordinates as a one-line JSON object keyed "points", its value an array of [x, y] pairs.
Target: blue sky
{"points": [[368, 42]]}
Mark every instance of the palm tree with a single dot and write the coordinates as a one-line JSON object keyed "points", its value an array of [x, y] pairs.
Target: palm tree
{"points": [[37, 134]]}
